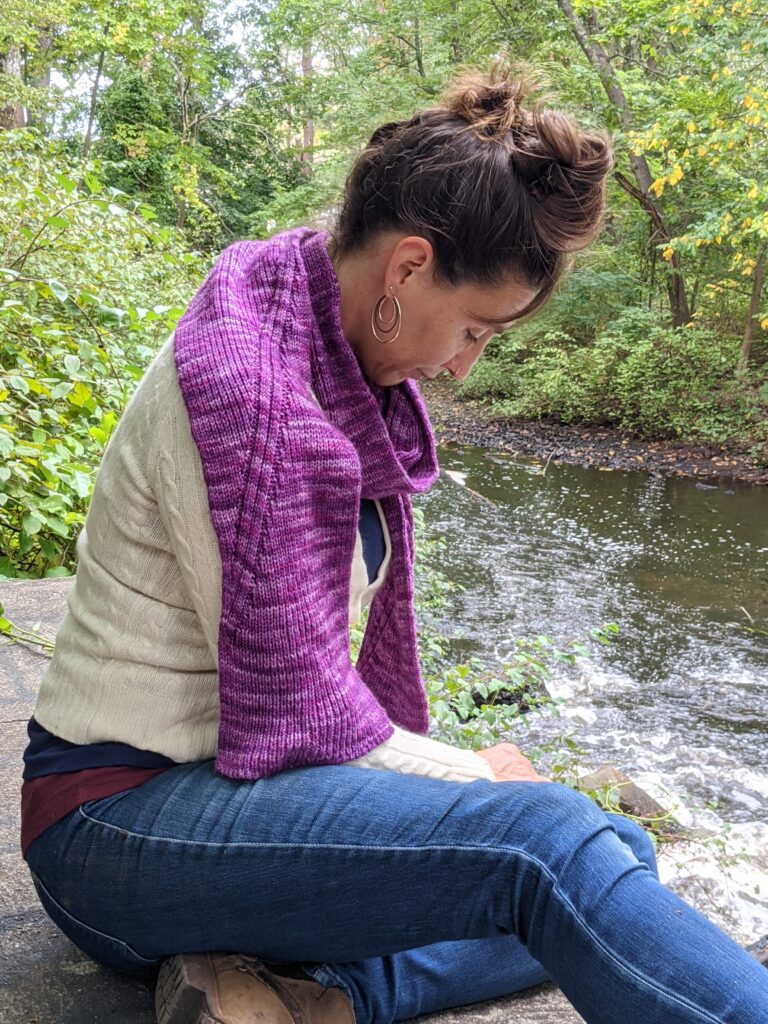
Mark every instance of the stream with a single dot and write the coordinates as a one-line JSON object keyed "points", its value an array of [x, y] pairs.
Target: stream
{"points": [[680, 700]]}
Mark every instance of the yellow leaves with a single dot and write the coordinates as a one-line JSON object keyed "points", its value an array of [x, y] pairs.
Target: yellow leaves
{"points": [[120, 32], [726, 71], [676, 175], [764, 324], [751, 103], [746, 45], [715, 76], [692, 127], [752, 194], [138, 148], [747, 222], [702, 151], [658, 187], [668, 253], [718, 239], [749, 266]]}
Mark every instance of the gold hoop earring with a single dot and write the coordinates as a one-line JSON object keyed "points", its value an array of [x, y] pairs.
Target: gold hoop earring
{"points": [[378, 323]]}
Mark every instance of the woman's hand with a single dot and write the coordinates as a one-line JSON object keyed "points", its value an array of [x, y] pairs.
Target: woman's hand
{"points": [[509, 765]]}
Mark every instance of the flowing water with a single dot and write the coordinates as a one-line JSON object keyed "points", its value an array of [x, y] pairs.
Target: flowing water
{"points": [[680, 700]]}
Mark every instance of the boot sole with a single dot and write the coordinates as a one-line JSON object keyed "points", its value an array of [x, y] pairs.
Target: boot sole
{"points": [[179, 999]]}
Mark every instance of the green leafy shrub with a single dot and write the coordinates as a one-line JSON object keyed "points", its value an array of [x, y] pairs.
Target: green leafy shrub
{"points": [[637, 375], [89, 287]]}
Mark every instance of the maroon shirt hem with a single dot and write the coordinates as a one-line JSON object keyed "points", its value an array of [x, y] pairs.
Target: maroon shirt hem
{"points": [[49, 798]]}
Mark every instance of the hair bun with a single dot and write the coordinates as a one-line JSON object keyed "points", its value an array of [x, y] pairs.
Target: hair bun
{"points": [[492, 102], [562, 168]]}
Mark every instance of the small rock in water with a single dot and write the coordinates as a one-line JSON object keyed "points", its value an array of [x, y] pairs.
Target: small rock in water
{"points": [[631, 798]]}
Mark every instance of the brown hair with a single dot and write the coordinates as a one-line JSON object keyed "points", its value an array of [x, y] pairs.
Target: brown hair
{"points": [[499, 190]]}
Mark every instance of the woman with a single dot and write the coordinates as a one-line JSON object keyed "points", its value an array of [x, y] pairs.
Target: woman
{"points": [[254, 498]]}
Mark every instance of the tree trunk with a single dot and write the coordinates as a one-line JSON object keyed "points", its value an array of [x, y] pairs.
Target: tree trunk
{"points": [[418, 49], [42, 77], [92, 105], [456, 50], [41, 74], [750, 329], [598, 58], [308, 141], [12, 116]]}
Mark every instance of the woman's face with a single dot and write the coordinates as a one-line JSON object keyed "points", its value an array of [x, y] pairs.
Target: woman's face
{"points": [[443, 327]]}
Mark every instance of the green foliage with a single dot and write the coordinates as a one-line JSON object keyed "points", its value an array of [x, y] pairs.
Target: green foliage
{"points": [[89, 287], [474, 705], [636, 375]]}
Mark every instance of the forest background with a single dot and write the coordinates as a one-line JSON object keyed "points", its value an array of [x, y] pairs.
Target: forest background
{"points": [[138, 139]]}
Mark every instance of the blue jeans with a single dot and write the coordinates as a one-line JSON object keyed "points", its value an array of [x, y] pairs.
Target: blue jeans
{"points": [[411, 894]]}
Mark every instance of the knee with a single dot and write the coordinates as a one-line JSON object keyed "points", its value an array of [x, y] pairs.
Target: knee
{"points": [[636, 838], [556, 816], [569, 808], [577, 818], [565, 826]]}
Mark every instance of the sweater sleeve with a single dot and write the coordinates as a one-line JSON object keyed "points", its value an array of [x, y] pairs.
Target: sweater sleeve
{"points": [[415, 754]]}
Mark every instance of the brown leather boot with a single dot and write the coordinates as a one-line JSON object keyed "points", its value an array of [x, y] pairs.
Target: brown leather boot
{"points": [[229, 988]]}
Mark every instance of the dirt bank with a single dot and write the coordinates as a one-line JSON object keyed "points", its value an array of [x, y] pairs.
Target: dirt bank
{"points": [[463, 422]]}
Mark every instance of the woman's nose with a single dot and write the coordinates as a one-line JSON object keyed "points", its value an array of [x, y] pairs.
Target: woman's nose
{"points": [[460, 366]]}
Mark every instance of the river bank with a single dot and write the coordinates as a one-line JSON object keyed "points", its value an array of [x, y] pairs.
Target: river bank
{"points": [[460, 421]]}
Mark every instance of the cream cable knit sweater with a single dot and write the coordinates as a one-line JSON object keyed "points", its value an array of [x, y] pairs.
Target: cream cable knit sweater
{"points": [[135, 658]]}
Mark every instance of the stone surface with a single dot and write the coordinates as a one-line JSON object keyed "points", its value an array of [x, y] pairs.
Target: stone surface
{"points": [[44, 979]]}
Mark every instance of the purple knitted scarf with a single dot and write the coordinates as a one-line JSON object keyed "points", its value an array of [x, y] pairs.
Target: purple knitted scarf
{"points": [[284, 480]]}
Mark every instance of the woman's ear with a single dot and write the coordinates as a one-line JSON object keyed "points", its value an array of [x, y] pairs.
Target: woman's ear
{"points": [[412, 255]]}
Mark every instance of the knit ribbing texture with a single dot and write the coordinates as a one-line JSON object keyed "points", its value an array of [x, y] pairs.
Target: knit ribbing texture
{"points": [[284, 479]]}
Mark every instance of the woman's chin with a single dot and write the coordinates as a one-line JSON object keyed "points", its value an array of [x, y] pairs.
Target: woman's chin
{"points": [[391, 378]]}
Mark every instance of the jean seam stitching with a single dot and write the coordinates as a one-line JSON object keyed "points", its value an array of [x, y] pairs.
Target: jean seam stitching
{"points": [[86, 927], [330, 979], [632, 972]]}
